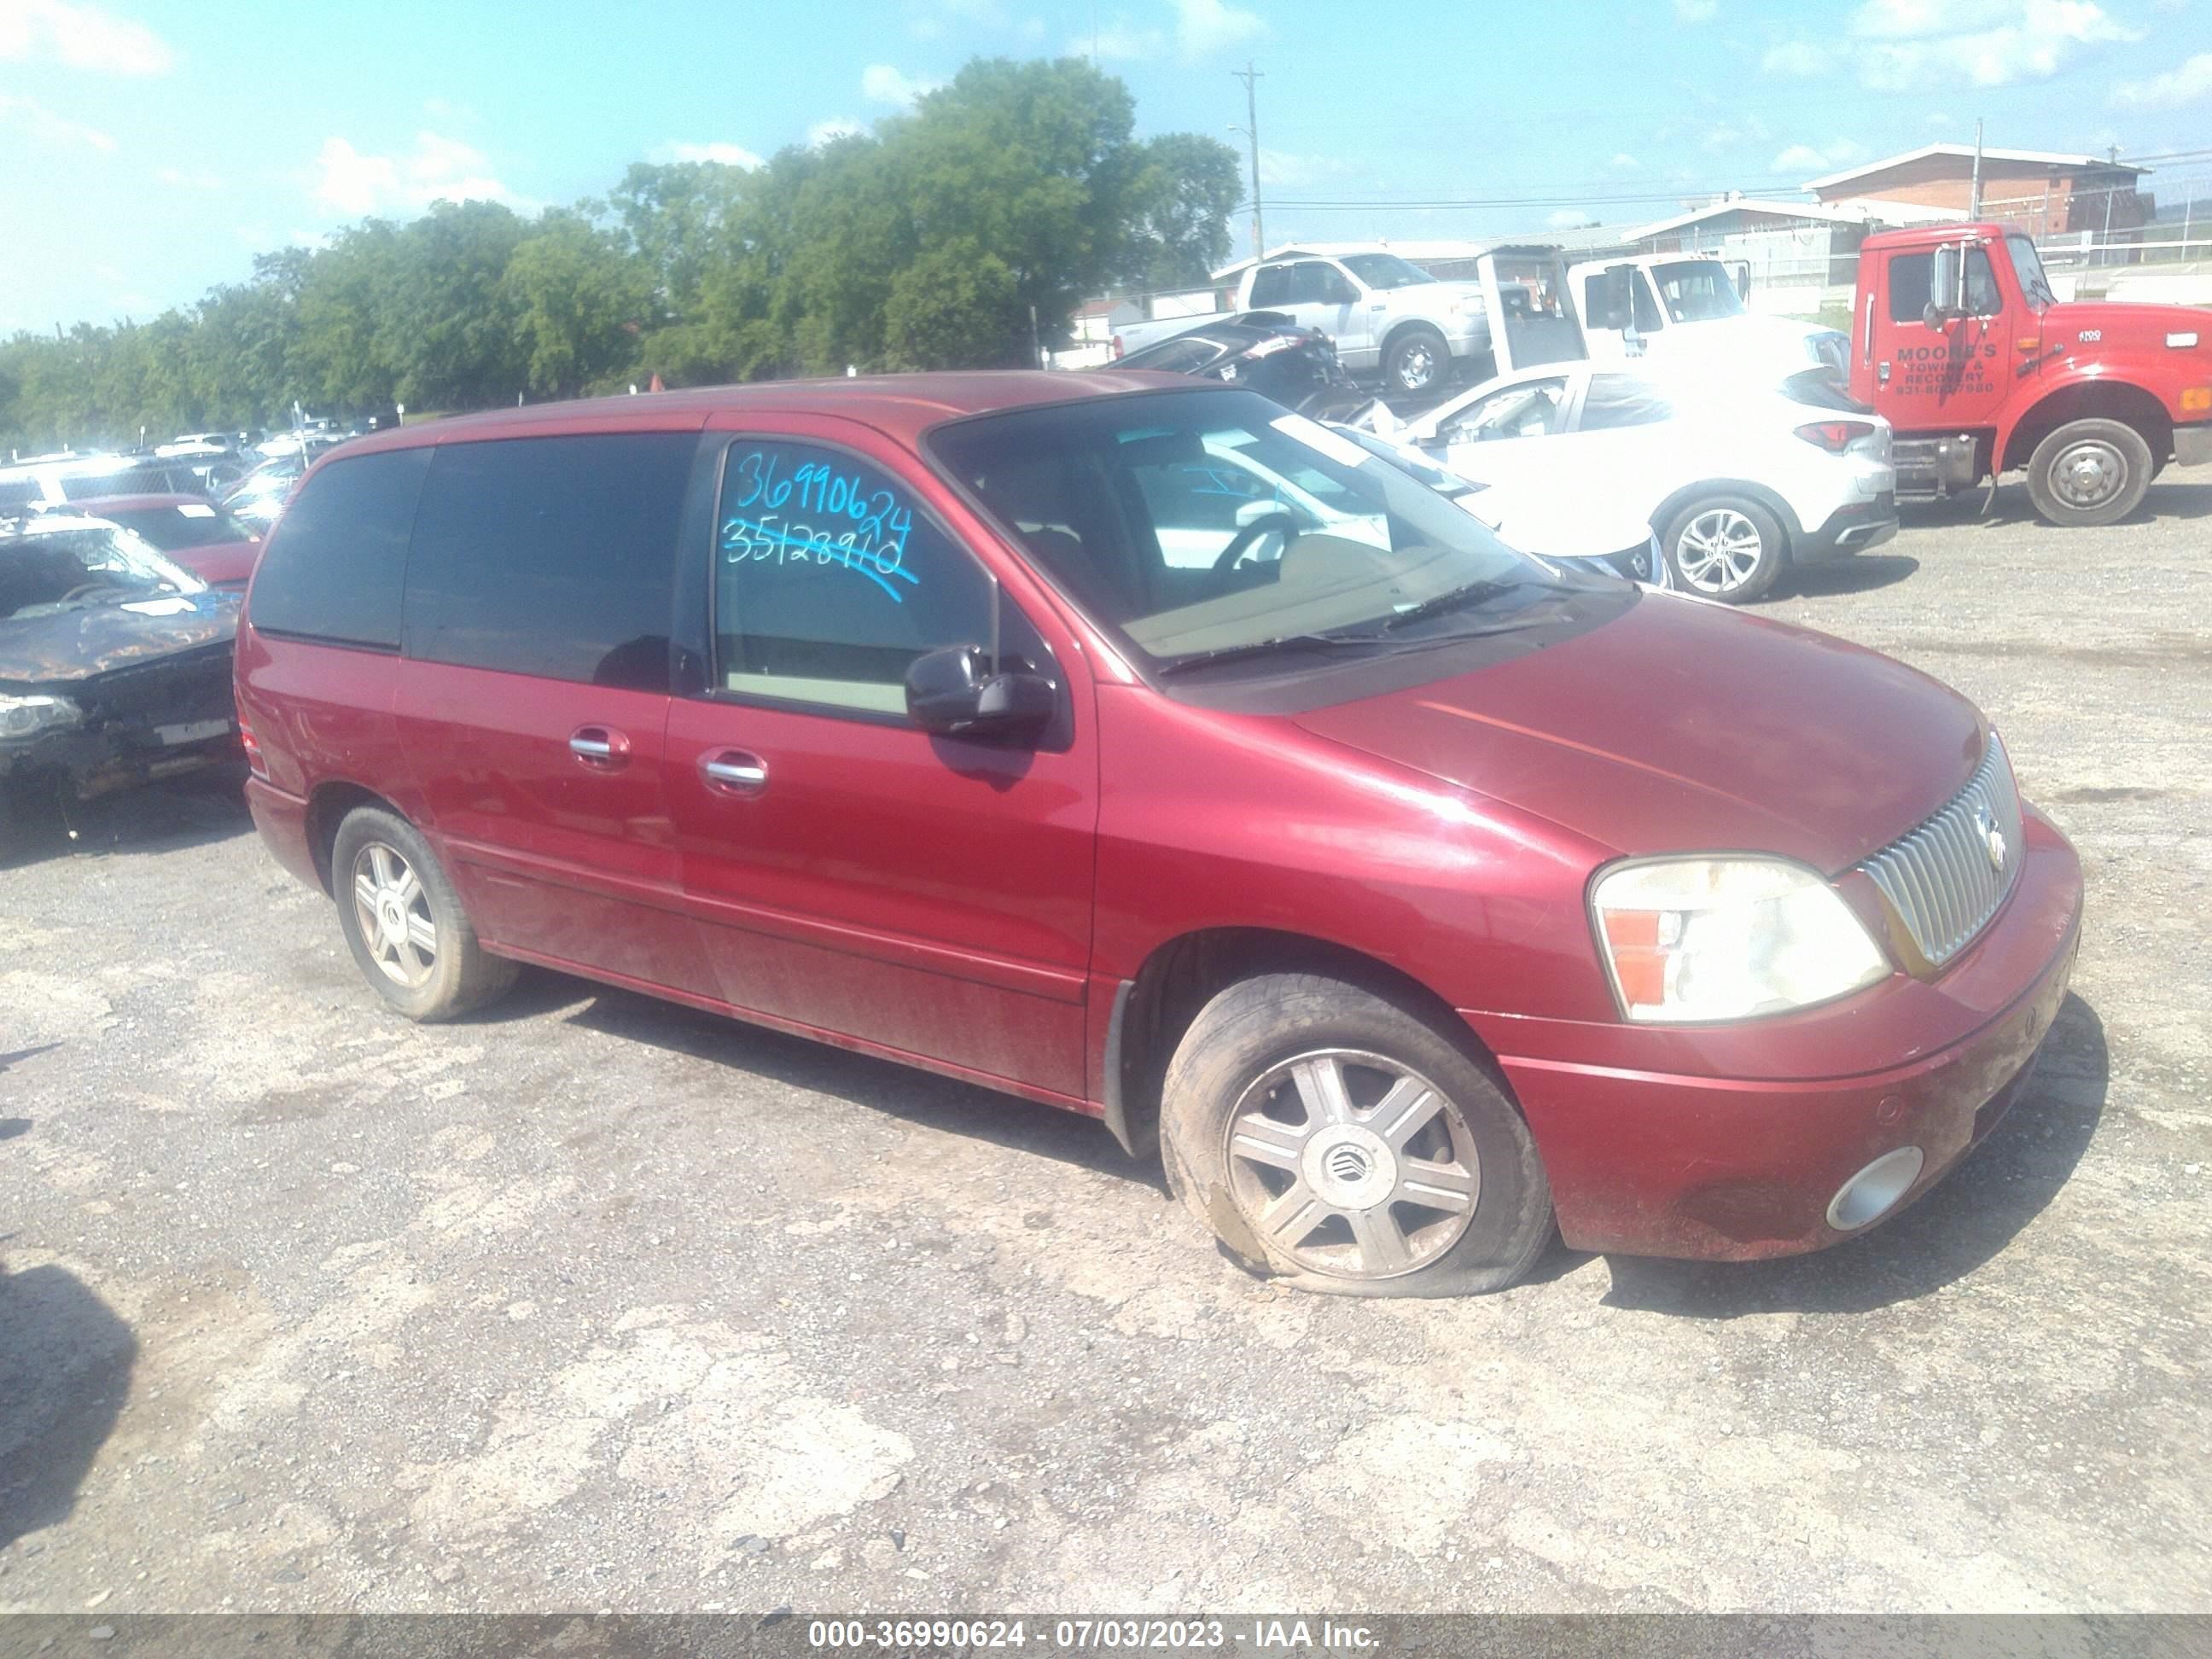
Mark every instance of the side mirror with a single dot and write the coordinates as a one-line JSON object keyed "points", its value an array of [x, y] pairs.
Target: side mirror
{"points": [[955, 694], [1616, 298], [1744, 282], [1946, 297]]}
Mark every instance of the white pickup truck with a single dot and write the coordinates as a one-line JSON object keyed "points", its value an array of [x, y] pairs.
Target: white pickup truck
{"points": [[1673, 307], [1386, 315]]}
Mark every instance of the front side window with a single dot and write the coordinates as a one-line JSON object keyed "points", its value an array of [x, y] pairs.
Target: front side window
{"points": [[1911, 278], [552, 556], [1535, 409], [1115, 499], [830, 579]]}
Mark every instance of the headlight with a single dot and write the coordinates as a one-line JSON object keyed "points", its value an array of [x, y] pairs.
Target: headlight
{"points": [[1716, 938], [27, 716], [1468, 305]]}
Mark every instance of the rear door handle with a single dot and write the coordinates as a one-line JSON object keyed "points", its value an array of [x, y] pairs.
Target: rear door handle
{"points": [[599, 746], [734, 771]]}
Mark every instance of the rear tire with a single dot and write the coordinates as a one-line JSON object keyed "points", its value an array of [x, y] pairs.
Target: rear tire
{"points": [[1724, 547], [1331, 1137], [405, 924], [1417, 360], [2089, 472]]}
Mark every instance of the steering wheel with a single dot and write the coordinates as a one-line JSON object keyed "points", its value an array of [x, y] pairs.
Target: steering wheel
{"points": [[1240, 543]]}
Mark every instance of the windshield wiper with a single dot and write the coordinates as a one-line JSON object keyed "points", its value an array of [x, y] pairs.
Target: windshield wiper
{"points": [[1456, 599], [1266, 647]]}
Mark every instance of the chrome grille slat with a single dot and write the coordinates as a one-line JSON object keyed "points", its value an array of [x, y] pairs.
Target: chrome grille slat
{"points": [[1938, 877]]}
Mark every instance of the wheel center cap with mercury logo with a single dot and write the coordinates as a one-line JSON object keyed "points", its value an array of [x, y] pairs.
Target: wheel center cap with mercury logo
{"points": [[1349, 1167]]}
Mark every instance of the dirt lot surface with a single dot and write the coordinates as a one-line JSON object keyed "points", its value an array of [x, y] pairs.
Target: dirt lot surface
{"points": [[596, 1302]]}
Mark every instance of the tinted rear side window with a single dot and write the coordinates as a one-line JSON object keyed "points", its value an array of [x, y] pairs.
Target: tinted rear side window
{"points": [[553, 557], [334, 567]]}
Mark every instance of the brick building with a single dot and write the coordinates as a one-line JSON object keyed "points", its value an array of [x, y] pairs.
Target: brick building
{"points": [[2046, 194]]}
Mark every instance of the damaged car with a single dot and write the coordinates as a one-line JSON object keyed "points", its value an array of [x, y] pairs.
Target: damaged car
{"points": [[115, 663]]}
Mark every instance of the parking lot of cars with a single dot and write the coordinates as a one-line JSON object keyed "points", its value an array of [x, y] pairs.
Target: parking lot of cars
{"points": [[593, 1301]]}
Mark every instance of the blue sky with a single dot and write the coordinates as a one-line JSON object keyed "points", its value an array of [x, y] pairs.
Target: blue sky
{"points": [[147, 150]]}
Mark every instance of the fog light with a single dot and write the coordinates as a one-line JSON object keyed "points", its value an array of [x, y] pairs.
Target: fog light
{"points": [[1874, 1191]]}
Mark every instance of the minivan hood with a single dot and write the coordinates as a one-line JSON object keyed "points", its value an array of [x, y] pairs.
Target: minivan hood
{"points": [[1681, 725]]}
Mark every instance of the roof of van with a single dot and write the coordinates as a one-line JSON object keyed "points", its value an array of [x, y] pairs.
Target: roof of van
{"points": [[900, 406]]}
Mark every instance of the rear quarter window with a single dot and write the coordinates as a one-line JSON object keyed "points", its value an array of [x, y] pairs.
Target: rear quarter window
{"points": [[334, 569]]}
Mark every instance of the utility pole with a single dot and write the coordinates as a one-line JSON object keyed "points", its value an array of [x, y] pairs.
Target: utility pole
{"points": [[1974, 195], [1251, 78]]}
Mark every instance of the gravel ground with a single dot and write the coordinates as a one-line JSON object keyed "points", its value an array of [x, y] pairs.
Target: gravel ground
{"points": [[596, 1302]]}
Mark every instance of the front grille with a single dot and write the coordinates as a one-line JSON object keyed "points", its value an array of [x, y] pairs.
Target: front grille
{"points": [[1946, 878]]}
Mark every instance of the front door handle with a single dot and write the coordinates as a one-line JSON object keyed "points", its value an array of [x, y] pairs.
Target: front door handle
{"points": [[734, 771], [599, 746]]}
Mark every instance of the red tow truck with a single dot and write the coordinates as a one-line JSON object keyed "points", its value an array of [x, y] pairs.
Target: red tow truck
{"points": [[1981, 369]]}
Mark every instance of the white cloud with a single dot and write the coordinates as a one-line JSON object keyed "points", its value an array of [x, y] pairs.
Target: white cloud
{"points": [[1904, 44], [82, 37], [729, 155], [881, 83], [828, 131], [1285, 169], [1207, 25], [45, 126], [1569, 219], [1696, 11], [1795, 58], [1624, 162], [354, 184], [188, 178], [2185, 85], [1119, 41], [1825, 158]]}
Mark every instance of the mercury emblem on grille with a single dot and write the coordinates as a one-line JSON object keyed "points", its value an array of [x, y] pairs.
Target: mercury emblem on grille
{"points": [[1993, 840]]}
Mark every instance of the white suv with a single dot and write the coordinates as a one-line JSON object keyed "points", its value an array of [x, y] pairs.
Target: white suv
{"points": [[1737, 479]]}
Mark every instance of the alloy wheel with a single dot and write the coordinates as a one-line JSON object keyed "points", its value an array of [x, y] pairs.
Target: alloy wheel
{"points": [[394, 911], [1417, 367], [1352, 1165], [1718, 550]]}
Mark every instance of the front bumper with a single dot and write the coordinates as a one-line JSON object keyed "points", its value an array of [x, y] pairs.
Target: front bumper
{"points": [[87, 762], [1849, 529], [2192, 446], [1742, 1167]]}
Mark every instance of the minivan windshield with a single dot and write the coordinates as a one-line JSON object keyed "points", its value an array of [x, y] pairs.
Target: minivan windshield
{"points": [[1203, 523]]}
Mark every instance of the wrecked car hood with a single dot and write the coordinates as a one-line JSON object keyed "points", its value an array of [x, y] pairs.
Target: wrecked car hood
{"points": [[78, 645]]}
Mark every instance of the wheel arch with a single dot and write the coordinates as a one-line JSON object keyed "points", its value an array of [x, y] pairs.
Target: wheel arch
{"points": [[1405, 325], [1768, 497], [2089, 398], [1153, 1010], [328, 804]]}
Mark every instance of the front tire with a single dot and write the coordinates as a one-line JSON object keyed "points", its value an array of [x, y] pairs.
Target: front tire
{"points": [[1418, 361], [1724, 547], [2089, 472], [405, 924], [1329, 1136]]}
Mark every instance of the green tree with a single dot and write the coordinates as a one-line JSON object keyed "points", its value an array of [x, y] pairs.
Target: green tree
{"points": [[1186, 187], [579, 301], [954, 307]]}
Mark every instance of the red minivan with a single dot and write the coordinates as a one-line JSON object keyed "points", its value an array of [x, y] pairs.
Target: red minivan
{"points": [[1134, 746]]}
